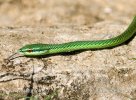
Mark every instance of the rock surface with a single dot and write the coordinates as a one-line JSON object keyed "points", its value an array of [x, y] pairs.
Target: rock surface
{"points": [[106, 74]]}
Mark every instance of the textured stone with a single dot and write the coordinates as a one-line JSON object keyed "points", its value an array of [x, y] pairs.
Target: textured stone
{"points": [[106, 74]]}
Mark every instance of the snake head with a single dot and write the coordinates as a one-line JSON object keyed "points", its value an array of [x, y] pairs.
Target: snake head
{"points": [[34, 50]]}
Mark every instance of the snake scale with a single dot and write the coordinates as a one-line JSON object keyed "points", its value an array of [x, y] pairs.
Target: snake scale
{"points": [[45, 49]]}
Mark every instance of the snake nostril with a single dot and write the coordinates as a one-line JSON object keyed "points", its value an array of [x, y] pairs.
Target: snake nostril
{"points": [[20, 50]]}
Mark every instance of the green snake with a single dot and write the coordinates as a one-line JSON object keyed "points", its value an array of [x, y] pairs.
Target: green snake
{"points": [[34, 50]]}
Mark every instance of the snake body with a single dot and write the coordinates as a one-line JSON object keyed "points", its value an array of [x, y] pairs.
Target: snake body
{"points": [[45, 49]]}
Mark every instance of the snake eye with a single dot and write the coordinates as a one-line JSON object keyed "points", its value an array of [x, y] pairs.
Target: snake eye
{"points": [[29, 50]]}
